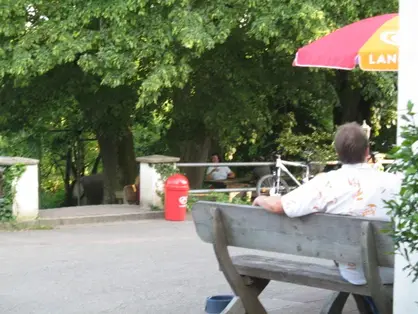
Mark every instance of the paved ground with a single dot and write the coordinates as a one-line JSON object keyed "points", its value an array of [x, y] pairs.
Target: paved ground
{"points": [[128, 267]]}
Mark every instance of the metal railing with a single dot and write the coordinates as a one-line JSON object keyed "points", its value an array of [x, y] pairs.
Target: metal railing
{"points": [[234, 164], [253, 164], [240, 164], [226, 190]]}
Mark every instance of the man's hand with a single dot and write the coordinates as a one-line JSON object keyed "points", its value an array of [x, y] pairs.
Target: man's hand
{"points": [[209, 175], [259, 201], [270, 203]]}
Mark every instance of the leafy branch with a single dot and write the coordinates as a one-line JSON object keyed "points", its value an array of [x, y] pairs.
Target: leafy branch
{"points": [[165, 171], [404, 208], [10, 177]]}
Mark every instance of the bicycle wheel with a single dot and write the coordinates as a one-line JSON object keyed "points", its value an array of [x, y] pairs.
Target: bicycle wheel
{"points": [[268, 184]]}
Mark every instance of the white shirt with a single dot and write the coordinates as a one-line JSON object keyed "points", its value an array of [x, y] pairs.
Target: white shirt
{"points": [[220, 173], [354, 190]]}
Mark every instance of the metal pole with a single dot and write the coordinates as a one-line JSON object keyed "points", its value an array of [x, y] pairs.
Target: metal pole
{"points": [[256, 164], [226, 164], [222, 190]]}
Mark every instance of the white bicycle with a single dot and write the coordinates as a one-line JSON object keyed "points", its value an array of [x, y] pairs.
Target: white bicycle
{"points": [[275, 184]]}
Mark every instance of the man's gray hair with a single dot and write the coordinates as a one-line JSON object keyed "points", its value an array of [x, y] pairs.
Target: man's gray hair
{"points": [[351, 143]]}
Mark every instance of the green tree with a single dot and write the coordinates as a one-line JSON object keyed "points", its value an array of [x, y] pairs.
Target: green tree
{"points": [[223, 68], [102, 55]]}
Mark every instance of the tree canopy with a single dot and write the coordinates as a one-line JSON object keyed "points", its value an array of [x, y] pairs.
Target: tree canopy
{"points": [[184, 77]]}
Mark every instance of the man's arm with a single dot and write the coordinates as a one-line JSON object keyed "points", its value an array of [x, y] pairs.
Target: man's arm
{"points": [[231, 175], [209, 172], [270, 203], [306, 199]]}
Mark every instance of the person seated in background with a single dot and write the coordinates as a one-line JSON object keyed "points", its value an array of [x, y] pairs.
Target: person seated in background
{"points": [[218, 173], [356, 189]]}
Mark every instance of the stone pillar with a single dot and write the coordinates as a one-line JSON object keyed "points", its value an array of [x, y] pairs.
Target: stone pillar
{"points": [[406, 292], [26, 200], [150, 184]]}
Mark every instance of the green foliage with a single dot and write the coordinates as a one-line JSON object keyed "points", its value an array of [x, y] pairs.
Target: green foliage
{"points": [[215, 197], [404, 208], [10, 177], [316, 146], [19, 144], [51, 148], [165, 171], [150, 131], [52, 199], [313, 147], [121, 43], [19, 226], [178, 74], [380, 89]]}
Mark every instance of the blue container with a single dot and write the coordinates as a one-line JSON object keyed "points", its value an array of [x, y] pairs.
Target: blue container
{"points": [[217, 303]]}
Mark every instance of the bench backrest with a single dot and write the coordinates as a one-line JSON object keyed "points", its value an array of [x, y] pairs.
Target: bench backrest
{"points": [[332, 237]]}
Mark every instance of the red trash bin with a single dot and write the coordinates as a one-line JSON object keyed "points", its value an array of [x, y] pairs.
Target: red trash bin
{"points": [[176, 193]]}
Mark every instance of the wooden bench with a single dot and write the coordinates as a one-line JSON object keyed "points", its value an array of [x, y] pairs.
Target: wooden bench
{"points": [[331, 237]]}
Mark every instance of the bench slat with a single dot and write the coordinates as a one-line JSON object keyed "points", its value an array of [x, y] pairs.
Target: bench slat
{"points": [[300, 273], [324, 236]]}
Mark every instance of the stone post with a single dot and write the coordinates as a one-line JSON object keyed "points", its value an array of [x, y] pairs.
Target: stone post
{"points": [[26, 200], [150, 184], [406, 291]]}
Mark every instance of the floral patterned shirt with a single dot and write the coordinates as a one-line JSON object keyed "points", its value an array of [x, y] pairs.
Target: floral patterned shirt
{"points": [[355, 190]]}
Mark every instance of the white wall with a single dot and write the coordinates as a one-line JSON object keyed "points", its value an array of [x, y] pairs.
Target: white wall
{"points": [[150, 187], [405, 292], [151, 184], [26, 201]]}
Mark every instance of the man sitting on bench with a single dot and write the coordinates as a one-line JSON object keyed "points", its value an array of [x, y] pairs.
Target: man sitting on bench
{"points": [[356, 189]]}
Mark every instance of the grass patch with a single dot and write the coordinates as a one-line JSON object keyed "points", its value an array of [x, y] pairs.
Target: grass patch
{"points": [[52, 199], [23, 226], [155, 208]]}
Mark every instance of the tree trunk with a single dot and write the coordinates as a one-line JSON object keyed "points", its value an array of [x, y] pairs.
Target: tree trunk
{"points": [[126, 159], [67, 178], [110, 111], [216, 148], [81, 152], [365, 111], [119, 165], [96, 164], [350, 100], [192, 145], [195, 151], [109, 151]]}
